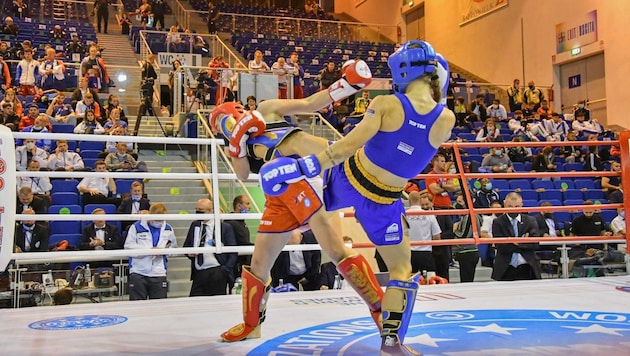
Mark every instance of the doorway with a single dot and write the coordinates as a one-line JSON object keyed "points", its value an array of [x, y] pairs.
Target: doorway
{"points": [[585, 79]]}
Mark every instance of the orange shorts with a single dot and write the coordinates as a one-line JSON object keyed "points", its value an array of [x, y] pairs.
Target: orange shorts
{"points": [[290, 210]]}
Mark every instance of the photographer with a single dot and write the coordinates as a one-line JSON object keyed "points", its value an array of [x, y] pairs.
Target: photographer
{"points": [[148, 69]]}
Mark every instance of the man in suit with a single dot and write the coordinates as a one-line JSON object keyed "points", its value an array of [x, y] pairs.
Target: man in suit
{"points": [[547, 226], [515, 261], [298, 267], [210, 272], [134, 204], [30, 236], [28, 200], [241, 205], [101, 236]]}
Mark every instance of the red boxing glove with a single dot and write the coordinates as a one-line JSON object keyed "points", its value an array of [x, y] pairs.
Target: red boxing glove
{"points": [[356, 75], [250, 124], [224, 117]]}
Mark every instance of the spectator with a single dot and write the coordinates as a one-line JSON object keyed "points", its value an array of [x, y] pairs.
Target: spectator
{"points": [[439, 188], [29, 119], [592, 161], [544, 108], [125, 24], [516, 261], [58, 33], [422, 228], [52, 71], [99, 235], [467, 255], [75, 49], [329, 75], [89, 125], [8, 117], [533, 96], [29, 152], [101, 9], [94, 69], [280, 69], [221, 76], [40, 186], [5, 75], [361, 104], [618, 224], [545, 161], [556, 127], [88, 104], [612, 185], [80, 93], [251, 103], [192, 102], [147, 274], [297, 71], [213, 16], [9, 28], [11, 99], [114, 121], [589, 224], [234, 80], [110, 146], [461, 113], [241, 205], [572, 154], [38, 126], [60, 113], [144, 10], [27, 200], [31, 236], [96, 190], [497, 111], [484, 196], [258, 64], [520, 153], [516, 123], [20, 9], [174, 42], [515, 96], [497, 161], [547, 223], [488, 133], [63, 296], [121, 161], [5, 53], [536, 132], [584, 127], [133, 202], [210, 272], [478, 107], [582, 109], [487, 251], [300, 268], [159, 9], [26, 74], [62, 160]]}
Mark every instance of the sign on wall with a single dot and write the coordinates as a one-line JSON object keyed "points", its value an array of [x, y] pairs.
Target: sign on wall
{"points": [[166, 59], [577, 32], [474, 9], [575, 81]]}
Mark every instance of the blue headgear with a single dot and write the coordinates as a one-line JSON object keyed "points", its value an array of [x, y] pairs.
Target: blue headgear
{"points": [[411, 61], [443, 75]]}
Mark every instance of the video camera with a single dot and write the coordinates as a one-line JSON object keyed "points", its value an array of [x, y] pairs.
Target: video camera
{"points": [[146, 89]]}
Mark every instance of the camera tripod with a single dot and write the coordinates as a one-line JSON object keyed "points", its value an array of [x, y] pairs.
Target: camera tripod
{"points": [[146, 109]]}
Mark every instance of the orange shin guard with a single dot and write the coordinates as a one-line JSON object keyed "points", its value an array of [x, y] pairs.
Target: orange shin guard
{"points": [[255, 295], [357, 272]]}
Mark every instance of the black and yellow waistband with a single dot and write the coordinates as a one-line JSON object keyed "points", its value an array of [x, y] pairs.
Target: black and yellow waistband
{"points": [[368, 185]]}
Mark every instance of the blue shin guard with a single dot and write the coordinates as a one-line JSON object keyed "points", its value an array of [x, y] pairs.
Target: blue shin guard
{"points": [[396, 322]]}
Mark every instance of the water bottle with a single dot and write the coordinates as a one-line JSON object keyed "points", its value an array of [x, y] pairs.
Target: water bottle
{"points": [[88, 275], [238, 285], [337, 283], [280, 282]]}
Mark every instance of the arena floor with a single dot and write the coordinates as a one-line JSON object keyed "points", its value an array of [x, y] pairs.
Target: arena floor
{"points": [[588, 316]]}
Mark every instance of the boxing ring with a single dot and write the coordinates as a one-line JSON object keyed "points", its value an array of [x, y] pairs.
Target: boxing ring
{"points": [[582, 316]]}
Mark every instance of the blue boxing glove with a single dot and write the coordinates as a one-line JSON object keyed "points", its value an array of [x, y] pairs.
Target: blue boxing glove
{"points": [[276, 175]]}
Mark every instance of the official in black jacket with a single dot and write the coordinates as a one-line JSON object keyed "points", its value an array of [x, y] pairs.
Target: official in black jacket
{"points": [[27, 200], [298, 267], [101, 236], [210, 272], [516, 261], [31, 236]]}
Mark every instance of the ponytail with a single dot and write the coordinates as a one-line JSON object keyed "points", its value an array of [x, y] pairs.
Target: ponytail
{"points": [[436, 87]]}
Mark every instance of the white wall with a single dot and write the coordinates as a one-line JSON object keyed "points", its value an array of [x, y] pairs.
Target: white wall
{"points": [[491, 46]]}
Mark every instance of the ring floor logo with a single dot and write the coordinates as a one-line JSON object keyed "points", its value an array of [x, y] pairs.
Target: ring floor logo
{"points": [[469, 332], [78, 322]]}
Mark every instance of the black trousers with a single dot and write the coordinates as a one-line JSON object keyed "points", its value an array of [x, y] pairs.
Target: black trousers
{"points": [[422, 261], [211, 281], [102, 15], [158, 18], [467, 265], [442, 259], [522, 272], [143, 287]]}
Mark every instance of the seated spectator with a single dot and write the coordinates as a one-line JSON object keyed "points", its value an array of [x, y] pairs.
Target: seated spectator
{"points": [[199, 44], [11, 99], [80, 93], [547, 223], [589, 224], [461, 113], [556, 127], [111, 104], [20, 9], [5, 53], [9, 28], [485, 195], [544, 108], [329, 75], [97, 190], [133, 203], [300, 268], [478, 107], [612, 185], [100, 235], [497, 161], [27, 73], [618, 224], [545, 161], [489, 132], [89, 125], [38, 126], [63, 160], [497, 111], [8, 117], [29, 152], [75, 49], [584, 127], [592, 162], [536, 132], [28, 200], [121, 161], [174, 42], [520, 153], [251, 103], [581, 109], [94, 69], [39, 185], [57, 33], [114, 121], [52, 72], [516, 123], [60, 113], [31, 236], [110, 146], [572, 154], [63, 296], [88, 104]]}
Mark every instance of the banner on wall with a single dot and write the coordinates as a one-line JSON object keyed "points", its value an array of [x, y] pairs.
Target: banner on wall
{"points": [[576, 33], [166, 59], [474, 9]]}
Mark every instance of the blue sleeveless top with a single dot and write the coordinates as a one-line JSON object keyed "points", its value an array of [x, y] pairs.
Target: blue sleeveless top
{"points": [[407, 151]]}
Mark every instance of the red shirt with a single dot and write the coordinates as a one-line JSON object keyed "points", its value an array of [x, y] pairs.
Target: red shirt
{"points": [[439, 200]]}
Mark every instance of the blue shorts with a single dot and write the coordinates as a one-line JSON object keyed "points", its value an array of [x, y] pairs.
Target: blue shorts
{"points": [[382, 218]]}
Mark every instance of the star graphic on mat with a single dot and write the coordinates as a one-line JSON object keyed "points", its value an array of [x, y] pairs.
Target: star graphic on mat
{"points": [[426, 340], [491, 328], [596, 328]]}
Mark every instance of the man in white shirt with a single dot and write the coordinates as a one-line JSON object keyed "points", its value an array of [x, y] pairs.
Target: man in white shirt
{"points": [[497, 111], [280, 69], [62, 160], [24, 154], [618, 224], [95, 190], [26, 73], [39, 185], [422, 228]]}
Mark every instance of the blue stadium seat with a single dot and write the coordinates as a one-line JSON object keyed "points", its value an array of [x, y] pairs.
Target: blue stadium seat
{"points": [[124, 185], [530, 203], [73, 208], [520, 183], [584, 183], [63, 128], [73, 239], [501, 184], [91, 145], [65, 227], [574, 194], [545, 184], [608, 215], [578, 167], [562, 216], [90, 154], [65, 198], [559, 183], [551, 194], [109, 208], [529, 194], [594, 195], [554, 202], [64, 185], [573, 202]]}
